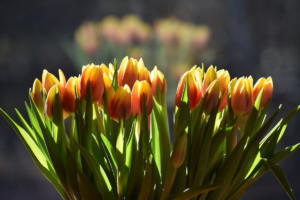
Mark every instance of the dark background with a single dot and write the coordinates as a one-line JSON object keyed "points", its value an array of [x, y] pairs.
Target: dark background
{"points": [[258, 37]]}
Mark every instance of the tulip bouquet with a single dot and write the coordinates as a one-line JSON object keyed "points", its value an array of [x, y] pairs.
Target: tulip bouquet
{"points": [[105, 133]]}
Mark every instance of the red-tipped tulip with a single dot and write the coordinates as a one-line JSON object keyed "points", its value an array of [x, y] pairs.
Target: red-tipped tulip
{"points": [[224, 78], [158, 81], [119, 102], [194, 87], [92, 74], [128, 72], [267, 85], [49, 106], [143, 72], [140, 89], [213, 94], [241, 96], [108, 74], [69, 98], [209, 77]]}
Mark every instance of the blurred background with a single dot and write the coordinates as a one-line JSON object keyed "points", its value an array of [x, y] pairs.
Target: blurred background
{"points": [[246, 37]]}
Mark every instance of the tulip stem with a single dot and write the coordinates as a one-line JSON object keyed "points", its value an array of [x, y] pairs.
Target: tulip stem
{"points": [[169, 184]]}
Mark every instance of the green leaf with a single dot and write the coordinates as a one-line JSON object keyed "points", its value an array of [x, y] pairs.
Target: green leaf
{"points": [[110, 154], [281, 177], [105, 187], [193, 192], [87, 189], [115, 77], [31, 146]]}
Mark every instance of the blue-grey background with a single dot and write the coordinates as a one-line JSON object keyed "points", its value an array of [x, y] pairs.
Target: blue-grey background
{"points": [[258, 37]]}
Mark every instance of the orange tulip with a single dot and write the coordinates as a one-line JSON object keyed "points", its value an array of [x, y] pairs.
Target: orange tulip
{"points": [[37, 94], [267, 85], [108, 74], [224, 78], [158, 81], [48, 79], [140, 89], [119, 102], [194, 87], [143, 72], [241, 96], [49, 106], [213, 93], [69, 98], [128, 72], [92, 74]]}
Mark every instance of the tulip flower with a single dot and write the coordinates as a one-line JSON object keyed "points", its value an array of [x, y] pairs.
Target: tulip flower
{"points": [[194, 87], [128, 72], [158, 81], [49, 106], [69, 98], [209, 77], [48, 79], [267, 85], [143, 72], [119, 102], [37, 94], [140, 89], [92, 74], [224, 78], [213, 94], [241, 96], [108, 74]]}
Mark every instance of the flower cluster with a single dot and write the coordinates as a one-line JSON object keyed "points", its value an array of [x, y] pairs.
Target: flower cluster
{"points": [[105, 133], [216, 85], [134, 82]]}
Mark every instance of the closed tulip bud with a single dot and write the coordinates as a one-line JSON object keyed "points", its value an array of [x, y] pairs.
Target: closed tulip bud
{"points": [[140, 89], [37, 94], [213, 94], [267, 85], [194, 87], [92, 74], [128, 72], [224, 78], [179, 153], [48, 79], [241, 97], [69, 98], [209, 77], [143, 72], [49, 106], [108, 74], [119, 102], [158, 81]]}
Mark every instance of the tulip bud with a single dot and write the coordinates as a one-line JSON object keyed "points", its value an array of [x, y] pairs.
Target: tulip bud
{"points": [[108, 74], [48, 80], [158, 81], [37, 94], [69, 98], [213, 93], [241, 96], [140, 89], [224, 78], [194, 87], [209, 77], [179, 153], [267, 85], [92, 74], [128, 72], [143, 72], [119, 102], [49, 106]]}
